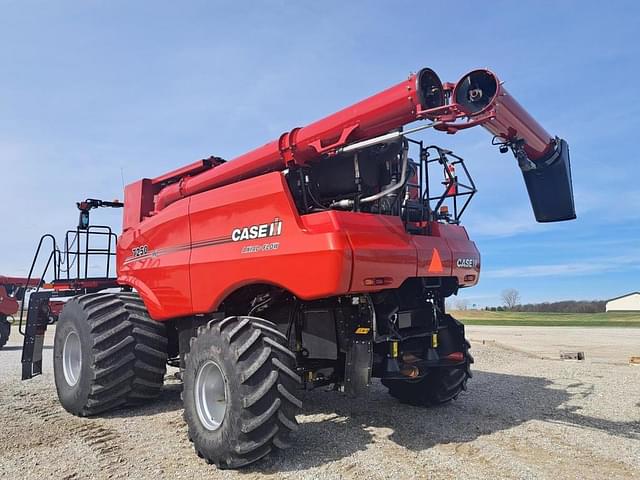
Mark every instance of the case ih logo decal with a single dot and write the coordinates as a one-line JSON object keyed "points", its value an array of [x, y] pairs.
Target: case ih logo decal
{"points": [[253, 232], [466, 263]]}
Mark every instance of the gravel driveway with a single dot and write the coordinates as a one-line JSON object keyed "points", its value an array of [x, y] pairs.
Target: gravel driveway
{"points": [[523, 417]]}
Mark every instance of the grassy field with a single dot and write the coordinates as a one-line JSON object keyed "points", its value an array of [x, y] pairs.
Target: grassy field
{"points": [[614, 319], [482, 317]]}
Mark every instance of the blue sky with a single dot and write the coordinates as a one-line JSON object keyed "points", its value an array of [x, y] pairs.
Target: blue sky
{"points": [[94, 91]]}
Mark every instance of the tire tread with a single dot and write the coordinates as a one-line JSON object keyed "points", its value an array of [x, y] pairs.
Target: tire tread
{"points": [[129, 351], [265, 370]]}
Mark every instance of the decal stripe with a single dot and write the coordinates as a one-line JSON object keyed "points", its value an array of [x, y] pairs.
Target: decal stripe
{"points": [[253, 232], [179, 248]]}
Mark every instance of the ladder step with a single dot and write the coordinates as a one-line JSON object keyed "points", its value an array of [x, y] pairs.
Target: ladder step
{"points": [[34, 335]]}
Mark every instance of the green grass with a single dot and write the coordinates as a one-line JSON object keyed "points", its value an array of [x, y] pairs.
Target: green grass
{"points": [[482, 317], [613, 319]]}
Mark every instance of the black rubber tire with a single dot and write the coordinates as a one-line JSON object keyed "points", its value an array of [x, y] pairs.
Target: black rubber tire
{"points": [[260, 382], [124, 353], [5, 330], [442, 384]]}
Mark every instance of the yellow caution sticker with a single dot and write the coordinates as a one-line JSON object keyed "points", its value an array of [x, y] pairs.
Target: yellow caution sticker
{"points": [[362, 330], [394, 349], [434, 340]]}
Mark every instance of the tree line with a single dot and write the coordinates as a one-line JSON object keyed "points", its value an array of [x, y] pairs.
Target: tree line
{"points": [[511, 302], [565, 306]]}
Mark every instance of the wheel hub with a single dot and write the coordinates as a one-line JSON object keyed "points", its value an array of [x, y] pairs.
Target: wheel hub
{"points": [[210, 395], [72, 358]]}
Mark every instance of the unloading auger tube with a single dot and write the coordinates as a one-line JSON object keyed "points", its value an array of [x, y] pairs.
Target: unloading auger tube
{"points": [[478, 98]]}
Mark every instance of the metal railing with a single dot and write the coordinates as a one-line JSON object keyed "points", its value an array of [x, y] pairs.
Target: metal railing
{"points": [[73, 263]]}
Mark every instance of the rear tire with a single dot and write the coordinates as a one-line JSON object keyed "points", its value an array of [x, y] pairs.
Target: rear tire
{"points": [[258, 389], [107, 353], [441, 384], [5, 330]]}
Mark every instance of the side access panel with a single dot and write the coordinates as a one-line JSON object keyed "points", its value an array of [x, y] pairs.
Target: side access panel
{"points": [[448, 252], [153, 258], [382, 250], [250, 232], [465, 258]]}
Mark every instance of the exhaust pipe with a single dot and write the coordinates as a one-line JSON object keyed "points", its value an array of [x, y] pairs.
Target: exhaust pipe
{"points": [[543, 159]]}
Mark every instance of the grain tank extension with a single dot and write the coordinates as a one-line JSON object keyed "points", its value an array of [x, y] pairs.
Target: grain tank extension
{"points": [[321, 258]]}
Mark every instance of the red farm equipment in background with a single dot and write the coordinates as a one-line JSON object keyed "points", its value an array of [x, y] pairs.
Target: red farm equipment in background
{"points": [[321, 258], [12, 290]]}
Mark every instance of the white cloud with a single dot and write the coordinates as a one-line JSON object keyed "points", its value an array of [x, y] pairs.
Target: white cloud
{"points": [[588, 266], [503, 224]]}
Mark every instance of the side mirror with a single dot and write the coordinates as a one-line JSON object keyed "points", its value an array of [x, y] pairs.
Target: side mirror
{"points": [[83, 223]]}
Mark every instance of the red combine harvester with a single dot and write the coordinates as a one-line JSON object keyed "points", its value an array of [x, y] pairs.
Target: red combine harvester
{"points": [[321, 258]]}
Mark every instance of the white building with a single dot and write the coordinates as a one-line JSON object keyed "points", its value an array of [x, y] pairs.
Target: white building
{"points": [[626, 303]]}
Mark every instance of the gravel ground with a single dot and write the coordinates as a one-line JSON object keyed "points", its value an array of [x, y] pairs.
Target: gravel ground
{"points": [[523, 417], [600, 345]]}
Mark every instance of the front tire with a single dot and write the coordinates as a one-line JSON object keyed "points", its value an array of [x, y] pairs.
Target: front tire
{"points": [[5, 330], [239, 391], [107, 353]]}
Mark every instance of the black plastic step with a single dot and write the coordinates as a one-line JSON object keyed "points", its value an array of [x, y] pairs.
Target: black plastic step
{"points": [[37, 321]]}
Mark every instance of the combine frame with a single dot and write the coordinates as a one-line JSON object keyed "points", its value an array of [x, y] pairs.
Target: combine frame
{"points": [[321, 258]]}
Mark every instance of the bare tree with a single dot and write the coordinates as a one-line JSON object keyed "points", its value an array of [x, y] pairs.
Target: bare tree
{"points": [[462, 304], [510, 298]]}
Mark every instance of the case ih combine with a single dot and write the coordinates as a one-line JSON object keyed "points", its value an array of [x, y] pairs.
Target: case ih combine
{"points": [[321, 258]]}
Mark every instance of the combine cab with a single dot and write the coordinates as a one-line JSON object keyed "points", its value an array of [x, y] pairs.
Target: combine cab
{"points": [[321, 258]]}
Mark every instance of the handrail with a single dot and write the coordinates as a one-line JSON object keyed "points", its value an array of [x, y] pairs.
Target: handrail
{"points": [[63, 261], [52, 256]]}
